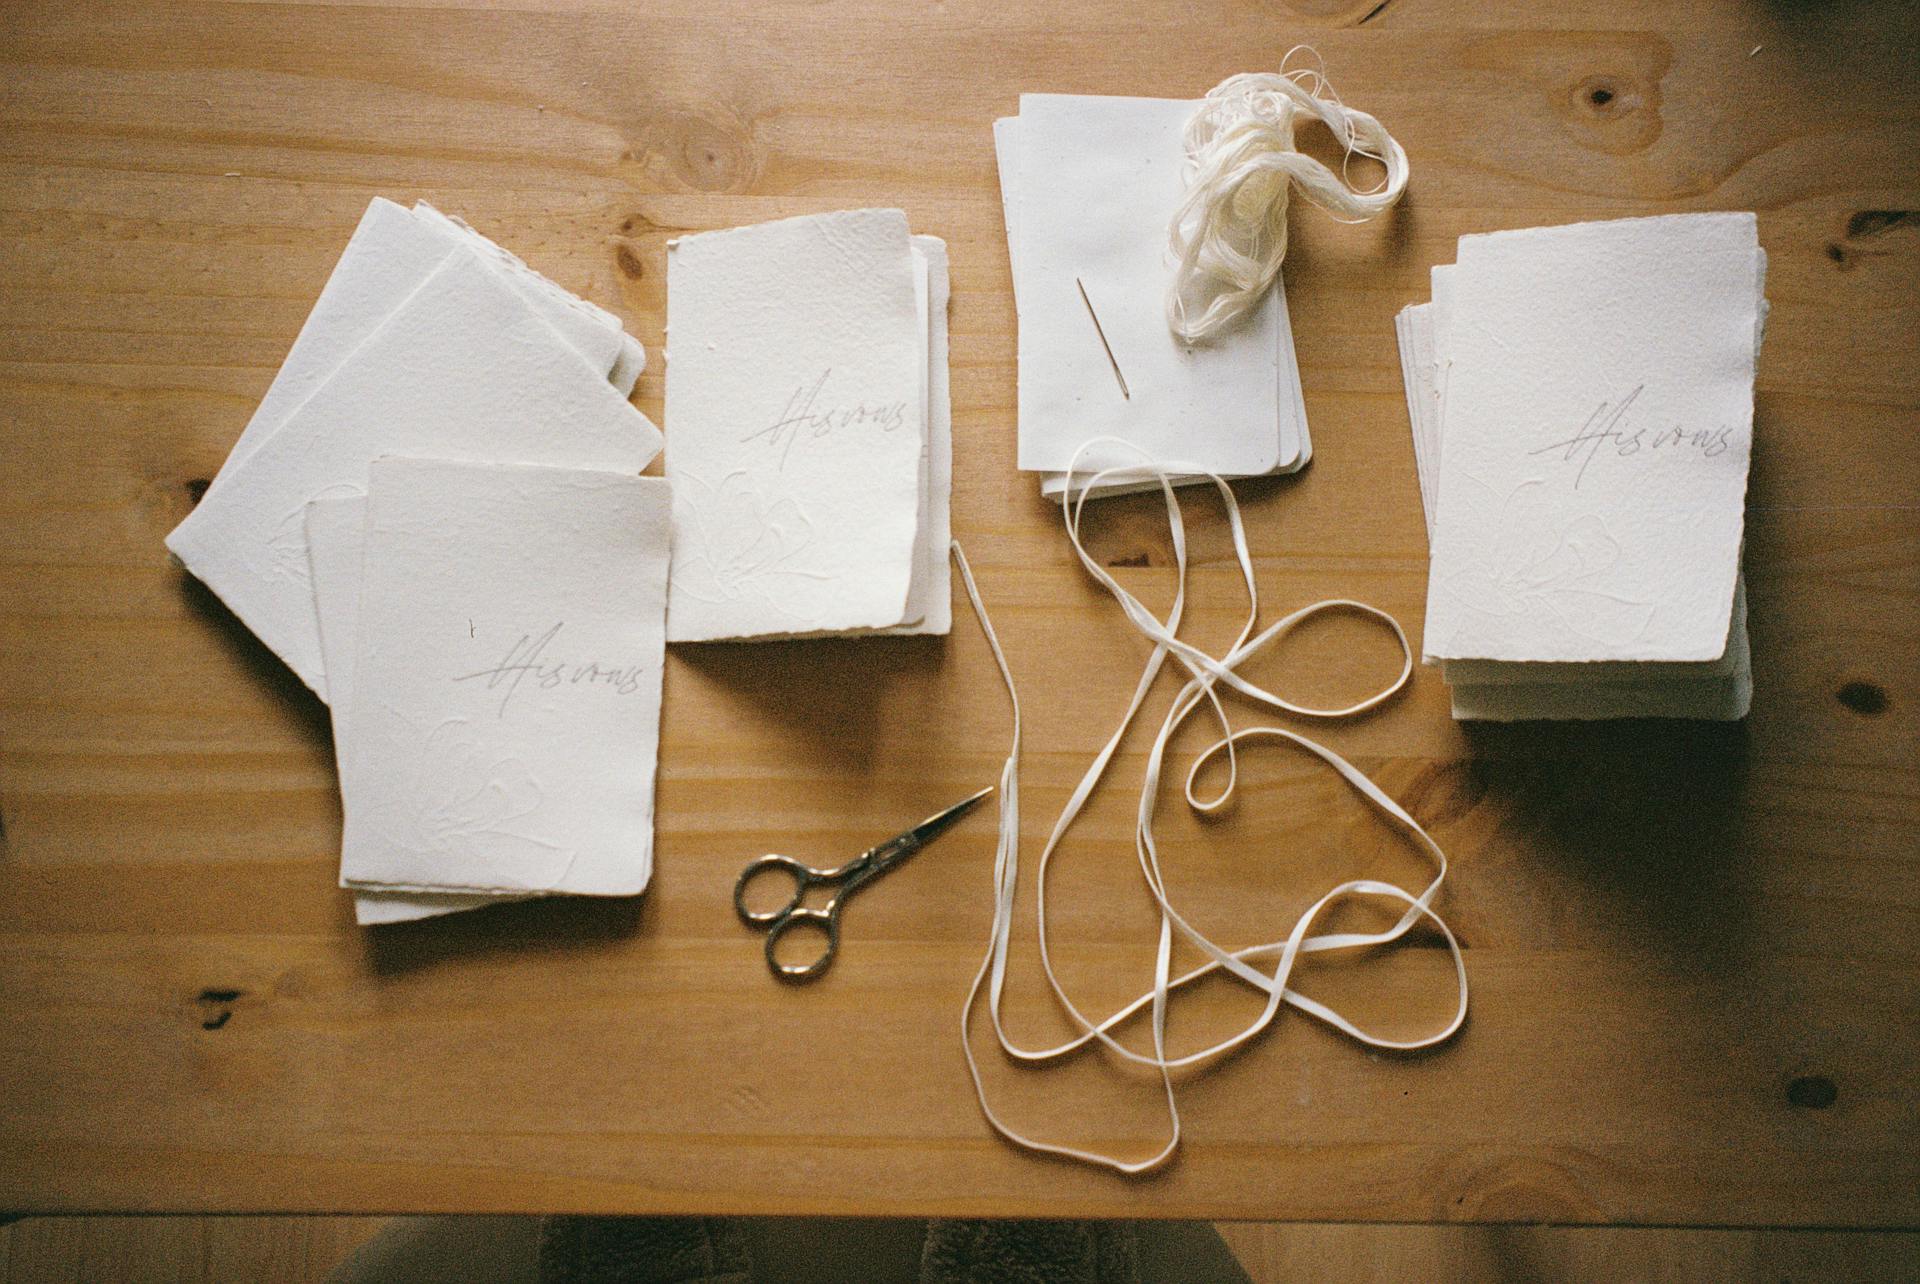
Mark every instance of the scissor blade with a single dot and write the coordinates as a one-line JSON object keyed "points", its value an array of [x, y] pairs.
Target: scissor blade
{"points": [[931, 828]]}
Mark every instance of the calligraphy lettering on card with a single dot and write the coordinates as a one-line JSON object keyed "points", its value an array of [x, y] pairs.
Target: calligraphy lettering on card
{"points": [[505, 712], [1596, 391], [803, 451]]}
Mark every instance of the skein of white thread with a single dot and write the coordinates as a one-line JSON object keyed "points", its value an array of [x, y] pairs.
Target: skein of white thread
{"points": [[1207, 672], [1229, 234]]}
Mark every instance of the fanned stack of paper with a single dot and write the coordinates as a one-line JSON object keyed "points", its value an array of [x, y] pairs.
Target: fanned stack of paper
{"points": [[1582, 409], [811, 451], [435, 518], [1089, 186]]}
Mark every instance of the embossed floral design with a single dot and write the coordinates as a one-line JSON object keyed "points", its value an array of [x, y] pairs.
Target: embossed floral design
{"points": [[740, 539], [1516, 575], [466, 808]]}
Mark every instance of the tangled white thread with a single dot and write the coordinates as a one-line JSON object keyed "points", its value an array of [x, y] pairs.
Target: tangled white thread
{"points": [[1230, 232], [1207, 672]]}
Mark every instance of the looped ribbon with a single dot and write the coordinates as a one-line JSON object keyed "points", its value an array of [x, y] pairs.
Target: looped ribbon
{"points": [[1229, 234], [1206, 674]]}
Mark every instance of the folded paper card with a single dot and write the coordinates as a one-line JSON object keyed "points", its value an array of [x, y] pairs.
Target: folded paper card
{"points": [[1088, 186], [464, 369], [1597, 426], [802, 462], [1533, 680], [505, 703]]}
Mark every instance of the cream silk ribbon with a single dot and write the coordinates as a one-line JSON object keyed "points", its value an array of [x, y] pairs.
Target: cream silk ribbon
{"points": [[1206, 674]]}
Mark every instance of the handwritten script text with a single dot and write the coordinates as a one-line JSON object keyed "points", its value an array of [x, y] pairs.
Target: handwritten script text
{"points": [[1606, 430], [527, 660], [800, 419]]}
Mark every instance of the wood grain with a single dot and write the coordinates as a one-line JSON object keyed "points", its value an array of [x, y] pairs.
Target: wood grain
{"points": [[1695, 950]]}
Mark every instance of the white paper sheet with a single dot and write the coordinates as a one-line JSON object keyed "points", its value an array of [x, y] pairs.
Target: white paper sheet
{"points": [[1099, 179], [795, 357], [1420, 345], [334, 537], [391, 253], [1293, 446], [1414, 327], [1598, 423], [506, 680], [503, 386]]}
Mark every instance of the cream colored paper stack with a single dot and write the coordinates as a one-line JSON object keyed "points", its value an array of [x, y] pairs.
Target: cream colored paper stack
{"points": [[1582, 407], [1089, 186], [811, 450], [435, 518]]}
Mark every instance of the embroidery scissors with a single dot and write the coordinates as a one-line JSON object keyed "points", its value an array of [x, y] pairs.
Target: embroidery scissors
{"points": [[847, 879]]}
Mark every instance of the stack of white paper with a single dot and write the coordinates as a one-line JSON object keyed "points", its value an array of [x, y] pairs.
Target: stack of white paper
{"points": [[1089, 186], [811, 450], [1582, 408], [435, 518]]}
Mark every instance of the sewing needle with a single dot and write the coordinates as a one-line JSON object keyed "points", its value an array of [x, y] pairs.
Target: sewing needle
{"points": [[1102, 332]]}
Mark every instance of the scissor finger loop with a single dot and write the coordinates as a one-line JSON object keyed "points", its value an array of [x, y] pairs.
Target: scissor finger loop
{"points": [[802, 876], [825, 921]]}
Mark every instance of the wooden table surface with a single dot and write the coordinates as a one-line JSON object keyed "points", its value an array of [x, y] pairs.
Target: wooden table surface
{"points": [[1694, 948]]}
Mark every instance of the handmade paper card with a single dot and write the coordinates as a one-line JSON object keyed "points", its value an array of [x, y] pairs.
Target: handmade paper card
{"points": [[505, 712], [930, 596], [794, 362], [1099, 179], [504, 387], [334, 530], [1292, 445], [392, 252], [1421, 363], [1597, 407]]}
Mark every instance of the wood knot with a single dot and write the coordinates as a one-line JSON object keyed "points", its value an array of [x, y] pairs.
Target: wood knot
{"points": [[197, 489], [1864, 698], [1863, 227], [1606, 100], [1617, 112], [1867, 223], [628, 262], [711, 156], [216, 1007], [1812, 1092]]}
